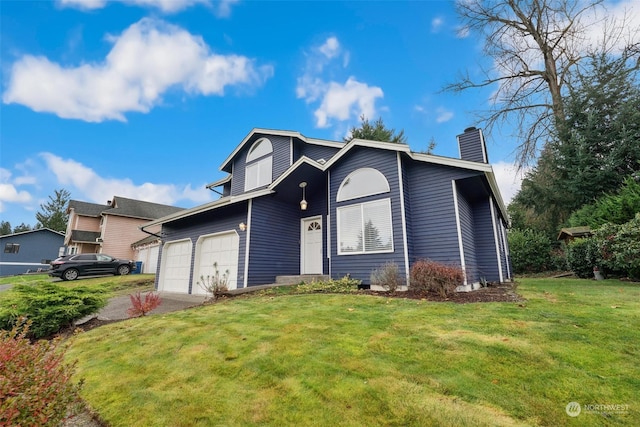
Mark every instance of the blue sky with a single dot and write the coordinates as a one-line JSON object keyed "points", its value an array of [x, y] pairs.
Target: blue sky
{"points": [[146, 98]]}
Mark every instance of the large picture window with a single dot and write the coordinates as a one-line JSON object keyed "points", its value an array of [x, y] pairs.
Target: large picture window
{"points": [[365, 228], [259, 165]]}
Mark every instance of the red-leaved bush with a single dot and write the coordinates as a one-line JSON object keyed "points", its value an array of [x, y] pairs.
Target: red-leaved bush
{"points": [[430, 276], [35, 385], [140, 307]]}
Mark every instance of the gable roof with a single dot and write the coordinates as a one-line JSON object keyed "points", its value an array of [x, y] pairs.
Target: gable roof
{"points": [[37, 230], [306, 162], [274, 132], [122, 206]]}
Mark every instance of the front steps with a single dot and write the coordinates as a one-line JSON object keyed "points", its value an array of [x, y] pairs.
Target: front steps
{"points": [[307, 278]]}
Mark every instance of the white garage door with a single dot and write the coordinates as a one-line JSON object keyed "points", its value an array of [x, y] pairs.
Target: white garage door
{"points": [[151, 266], [221, 249], [175, 266]]}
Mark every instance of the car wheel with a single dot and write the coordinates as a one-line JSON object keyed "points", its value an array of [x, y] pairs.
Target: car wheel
{"points": [[123, 270], [70, 274]]}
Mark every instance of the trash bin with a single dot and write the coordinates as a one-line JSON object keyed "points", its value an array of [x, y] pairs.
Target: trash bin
{"points": [[138, 269]]}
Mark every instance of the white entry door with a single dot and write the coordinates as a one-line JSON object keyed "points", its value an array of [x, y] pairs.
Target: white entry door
{"points": [[311, 246]]}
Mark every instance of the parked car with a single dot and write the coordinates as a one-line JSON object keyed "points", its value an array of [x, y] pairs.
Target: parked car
{"points": [[70, 267]]}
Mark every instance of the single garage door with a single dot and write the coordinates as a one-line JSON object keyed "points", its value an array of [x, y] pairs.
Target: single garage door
{"points": [[221, 249], [175, 267]]}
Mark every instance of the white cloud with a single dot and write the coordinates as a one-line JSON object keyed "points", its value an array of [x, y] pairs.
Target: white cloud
{"points": [[338, 101], [509, 179], [166, 6], [9, 192], [443, 115], [76, 176], [342, 102], [436, 24], [147, 59]]}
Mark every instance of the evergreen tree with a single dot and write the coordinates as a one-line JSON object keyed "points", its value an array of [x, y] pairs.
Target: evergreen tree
{"points": [[53, 214], [22, 228], [5, 228], [375, 131]]}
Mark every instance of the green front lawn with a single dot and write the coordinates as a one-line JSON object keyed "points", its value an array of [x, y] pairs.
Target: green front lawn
{"points": [[356, 360], [111, 285]]}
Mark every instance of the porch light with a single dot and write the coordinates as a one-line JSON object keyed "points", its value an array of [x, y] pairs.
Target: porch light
{"points": [[242, 226], [303, 202]]}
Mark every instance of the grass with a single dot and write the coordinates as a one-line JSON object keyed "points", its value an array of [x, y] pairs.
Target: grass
{"points": [[355, 360], [112, 285]]}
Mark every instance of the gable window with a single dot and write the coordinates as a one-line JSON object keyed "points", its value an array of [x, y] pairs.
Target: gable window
{"points": [[365, 228], [259, 165], [361, 183], [12, 248]]}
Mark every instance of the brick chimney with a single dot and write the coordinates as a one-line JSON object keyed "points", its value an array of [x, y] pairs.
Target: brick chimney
{"points": [[472, 146]]}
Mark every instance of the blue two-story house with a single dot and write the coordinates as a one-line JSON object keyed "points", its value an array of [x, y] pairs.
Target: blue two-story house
{"points": [[292, 205]]}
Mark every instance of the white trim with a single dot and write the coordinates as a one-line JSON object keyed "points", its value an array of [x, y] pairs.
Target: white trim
{"points": [[290, 150], [459, 229], [505, 245], [329, 219], [484, 147], [404, 221], [292, 168], [495, 238], [24, 263], [219, 182], [245, 279], [302, 242]]}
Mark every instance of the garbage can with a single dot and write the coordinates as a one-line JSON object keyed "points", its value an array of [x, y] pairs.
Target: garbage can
{"points": [[138, 269]]}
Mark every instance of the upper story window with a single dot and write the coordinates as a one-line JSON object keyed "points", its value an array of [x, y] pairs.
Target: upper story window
{"points": [[362, 182], [259, 165]]}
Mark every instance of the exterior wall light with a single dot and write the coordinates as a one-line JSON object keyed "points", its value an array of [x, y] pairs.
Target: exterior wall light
{"points": [[242, 226], [303, 202]]}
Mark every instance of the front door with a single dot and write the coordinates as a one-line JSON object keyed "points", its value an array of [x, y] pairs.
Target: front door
{"points": [[311, 246]]}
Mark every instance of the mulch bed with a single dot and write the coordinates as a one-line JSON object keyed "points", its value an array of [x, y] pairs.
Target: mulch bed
{"points": [[494, 292]]}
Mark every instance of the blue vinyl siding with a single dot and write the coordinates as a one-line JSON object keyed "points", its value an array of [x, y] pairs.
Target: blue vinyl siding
{"points": [[432, 212], [281, 156], [214, 221], [361, 266], [468, 238], [275, 240], [35, 247], [486, 255], [472, 146], [312, 151]]}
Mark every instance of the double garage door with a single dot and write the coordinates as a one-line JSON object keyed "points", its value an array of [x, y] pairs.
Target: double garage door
{"points": [[219, 248]]}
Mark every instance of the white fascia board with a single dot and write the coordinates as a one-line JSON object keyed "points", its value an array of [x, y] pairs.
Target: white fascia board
{"points": [[450, 161], [224, 201], [491, 178], [293, 167], [366, 143], [219, 182]]}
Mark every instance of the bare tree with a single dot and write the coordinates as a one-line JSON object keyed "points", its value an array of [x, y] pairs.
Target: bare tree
{"points": [[537, 47]]}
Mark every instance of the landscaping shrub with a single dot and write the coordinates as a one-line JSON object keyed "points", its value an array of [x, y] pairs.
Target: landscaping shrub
{"points": [[215, 284], [530, 251], [619, 247], [345, 285], [582, 256], [617, 208], [387, 276], [48, 307], [430, 276], [35, 384], [141, 308]]}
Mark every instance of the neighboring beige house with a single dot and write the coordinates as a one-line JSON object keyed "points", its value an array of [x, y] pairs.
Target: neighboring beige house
{"points": [[114, 228]]}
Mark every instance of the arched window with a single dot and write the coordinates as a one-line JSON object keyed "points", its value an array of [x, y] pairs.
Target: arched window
{"points": [[259, 165], [364, 228], [362, 182]]}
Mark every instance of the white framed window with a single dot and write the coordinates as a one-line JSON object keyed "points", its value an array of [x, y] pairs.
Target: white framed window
{"points": [[361, 183], [259, 165], [365, 228]]}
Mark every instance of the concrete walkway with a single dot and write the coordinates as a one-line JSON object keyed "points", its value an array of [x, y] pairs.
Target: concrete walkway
{"points": [[116, 308]]}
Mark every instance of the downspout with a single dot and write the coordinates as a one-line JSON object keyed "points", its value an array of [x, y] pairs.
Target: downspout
{"points": [[141, 228]]}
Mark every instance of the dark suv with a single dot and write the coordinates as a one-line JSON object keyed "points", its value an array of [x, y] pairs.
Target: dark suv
{"points": [[70, 267]]}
